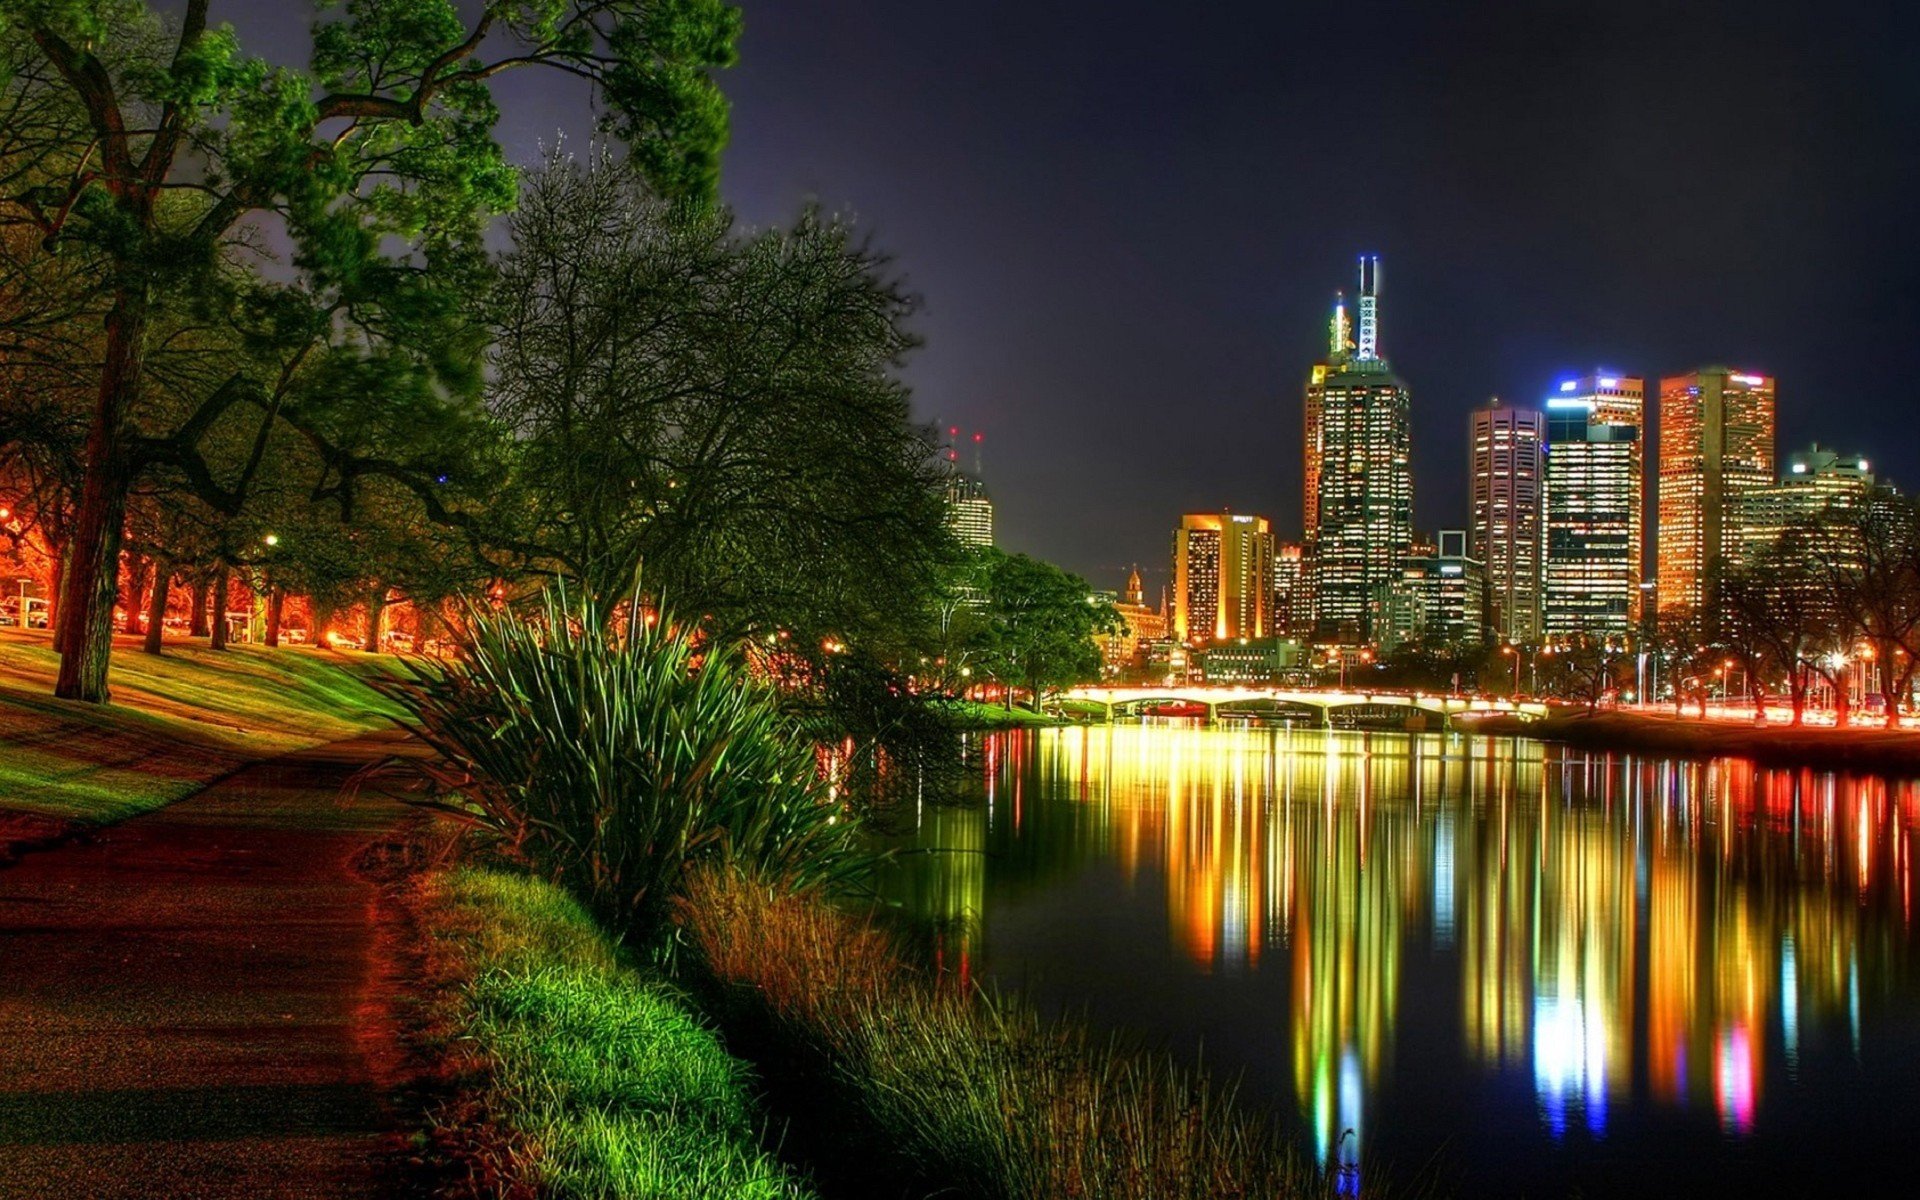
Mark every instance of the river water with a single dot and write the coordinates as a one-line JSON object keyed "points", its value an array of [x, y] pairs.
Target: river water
{"points": [[1486, 964]]}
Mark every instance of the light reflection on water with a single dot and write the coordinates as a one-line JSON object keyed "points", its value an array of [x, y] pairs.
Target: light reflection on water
{"points": [[1619, 937]]}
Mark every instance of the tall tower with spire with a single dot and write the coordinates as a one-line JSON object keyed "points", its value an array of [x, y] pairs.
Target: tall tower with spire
{"points": [[1357, 470]]}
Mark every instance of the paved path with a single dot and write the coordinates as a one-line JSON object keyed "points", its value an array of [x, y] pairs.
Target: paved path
{"points": [[194, 1004]]}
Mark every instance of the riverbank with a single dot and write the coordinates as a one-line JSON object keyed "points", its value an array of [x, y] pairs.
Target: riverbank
{"points": [[178, 722], [1870, 751]]}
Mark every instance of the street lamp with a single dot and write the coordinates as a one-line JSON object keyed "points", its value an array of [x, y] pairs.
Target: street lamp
{"points": [[1510, 652]]}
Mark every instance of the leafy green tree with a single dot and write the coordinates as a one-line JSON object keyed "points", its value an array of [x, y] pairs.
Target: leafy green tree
{"points": [[157, 157], [1039, 624]]}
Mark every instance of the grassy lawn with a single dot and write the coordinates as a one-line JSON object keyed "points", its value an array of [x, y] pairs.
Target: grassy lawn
{"points": [[972, 714], [600, 1080], [177, 722]]}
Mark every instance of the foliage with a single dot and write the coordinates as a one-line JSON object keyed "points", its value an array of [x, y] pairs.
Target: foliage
{"points": [[612, 748], [718, 408], [911, 1089], [606, 1085], [1037, 623], [151, 162]]}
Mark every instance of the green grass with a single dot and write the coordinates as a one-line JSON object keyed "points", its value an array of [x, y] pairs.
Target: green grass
{"points": [[176, 722], [973, 714], [607, 1085]]}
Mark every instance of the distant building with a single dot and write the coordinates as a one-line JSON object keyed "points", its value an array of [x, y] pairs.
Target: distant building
{"points": [[1358, 471], [1818, 484], [1440, 596], [1615, 399], [1292, 610], [1716, 446], [1121, 649], [1247, 660], [969, 510], [1508, 473], [1592, 585], [1222, 577]]}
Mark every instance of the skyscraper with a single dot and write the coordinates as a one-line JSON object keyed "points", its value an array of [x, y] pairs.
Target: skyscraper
{"points": [[1508, 479], [1222, 577], [969, 507], [1615, 399], [1292, 616], [1819, 486], [969, 510], [1358, 471], [1716, 445], [1591, 584]]}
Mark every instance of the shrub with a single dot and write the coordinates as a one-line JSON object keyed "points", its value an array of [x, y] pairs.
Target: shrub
{"points": [[609, 750]]}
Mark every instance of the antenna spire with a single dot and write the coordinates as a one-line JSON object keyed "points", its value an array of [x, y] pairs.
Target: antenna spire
{"points": [[1369, 293]]}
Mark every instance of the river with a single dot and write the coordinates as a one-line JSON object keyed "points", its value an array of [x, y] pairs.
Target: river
{"points": [[1485, 964]]}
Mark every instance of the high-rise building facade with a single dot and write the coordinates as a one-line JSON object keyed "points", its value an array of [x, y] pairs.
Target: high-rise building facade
{"points": [[1358, 471], [1508, 478], [1818, 485], [1440, 597], [1592, 586], [1222, 577], [1292, 614], [1615, 399], [1716, 446], [969, 510]]}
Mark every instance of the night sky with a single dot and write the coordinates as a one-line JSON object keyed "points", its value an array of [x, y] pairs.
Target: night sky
{"points": [[1127, 221]]}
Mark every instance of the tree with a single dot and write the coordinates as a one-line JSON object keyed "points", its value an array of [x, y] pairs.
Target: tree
{"points": [[1586, 668], [719, 412], [1039, 624], [1870, 560], [1779, 613], [158, 152]]}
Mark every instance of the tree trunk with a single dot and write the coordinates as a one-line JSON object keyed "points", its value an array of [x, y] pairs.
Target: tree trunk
{"points": [[1798, 684], [93, 575], [56, 585], [157, 608], [217, 611], [197, 612], [138, 568], [322, 617], [276, 598], [376, 609]]}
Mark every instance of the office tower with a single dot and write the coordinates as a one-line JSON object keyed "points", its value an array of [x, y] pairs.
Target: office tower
{"points": [[1358, 470], [1222, 577], [1292, 616], [1509, 478], [1591, 583], [969, 507], [969, 510], [1616, 399], [1716, 445], [1439, 598], [1818, 486]]}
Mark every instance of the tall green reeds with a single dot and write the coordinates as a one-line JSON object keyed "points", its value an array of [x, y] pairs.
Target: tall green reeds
{"points": [[926, 1091], [611, 748]]}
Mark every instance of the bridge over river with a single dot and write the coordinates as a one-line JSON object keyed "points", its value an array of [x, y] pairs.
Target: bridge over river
{"points": [[1329, 709]]}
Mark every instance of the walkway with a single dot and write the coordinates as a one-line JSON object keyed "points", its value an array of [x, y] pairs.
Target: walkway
{"points": [[194, 1004]]}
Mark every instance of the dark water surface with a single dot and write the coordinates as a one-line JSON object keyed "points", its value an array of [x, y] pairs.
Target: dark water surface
{"points": [[1502, 967]]}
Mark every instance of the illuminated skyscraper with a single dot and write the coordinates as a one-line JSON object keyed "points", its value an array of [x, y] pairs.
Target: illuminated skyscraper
{"points": [[1818, 485], [1292, 615], [1358, 471], [969, 507], [1621, 400], [1222, 577], [1716, 446], [1591, 583], [1509, 475]]}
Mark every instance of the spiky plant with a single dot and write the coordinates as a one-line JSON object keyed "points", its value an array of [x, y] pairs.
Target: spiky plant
{"points": [[612, 747]]}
